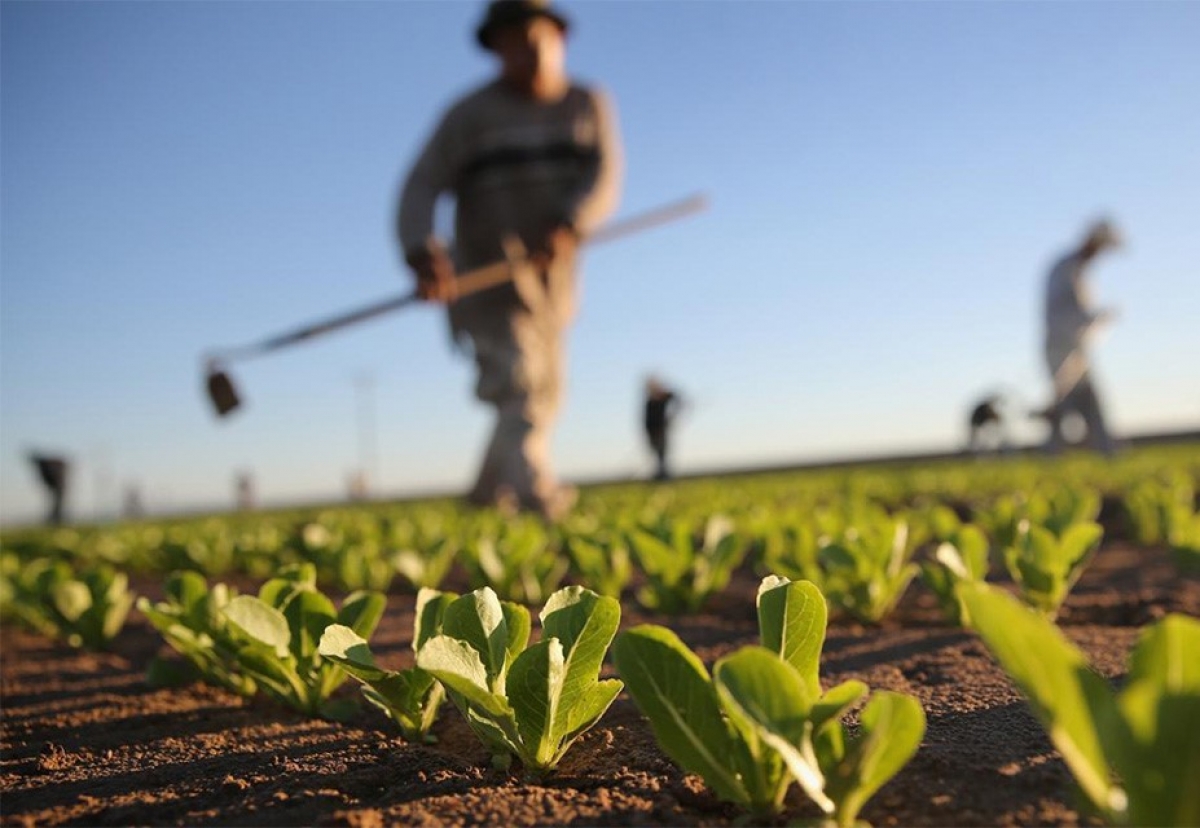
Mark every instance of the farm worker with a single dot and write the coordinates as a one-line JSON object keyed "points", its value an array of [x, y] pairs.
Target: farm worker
{"points": [[53, 472], [1071, 321], [662, 405], [533, 160]]}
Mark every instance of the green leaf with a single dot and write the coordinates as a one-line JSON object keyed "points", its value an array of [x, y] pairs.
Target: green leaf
{"points": [[431, 609], [457, 665], [671, 687], [893, 725], [1065, 695], [535, 686], [308, 614], [767, 699], [350, 651], [585, 624], [479, 619], [72, 599], [791, 621], [361, 611], [262, 623]]}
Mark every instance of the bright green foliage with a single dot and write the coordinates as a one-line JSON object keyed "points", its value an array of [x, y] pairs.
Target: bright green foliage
{"points": [[964, 556], [517, 560], [85, 608], [1147, 736], [425, 567], [411, 697], [787, 544], [1153, 506], [600, 560], [529, 702], [1045, 565], [192, 621], [276, 636], [868, 568], [681, 574], [1183, 538], [761, 721]]}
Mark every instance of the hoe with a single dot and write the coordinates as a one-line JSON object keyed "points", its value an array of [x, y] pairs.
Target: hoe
{"points": [[223, 393]]}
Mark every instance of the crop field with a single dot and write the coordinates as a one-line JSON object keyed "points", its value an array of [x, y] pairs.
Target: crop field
{"points": [[1000, 641]]}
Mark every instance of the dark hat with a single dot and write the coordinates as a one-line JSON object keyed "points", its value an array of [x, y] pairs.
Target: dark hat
{"points": [[502, 13]]}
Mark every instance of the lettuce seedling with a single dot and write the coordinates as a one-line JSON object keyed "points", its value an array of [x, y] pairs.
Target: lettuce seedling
{"points": [[1135, 754], [425, 566], [600, 560], [85, 607], [761, 720], [868, 569], [680, 576], [517, 561], [963, 557], [1045, 566], [276, 636], [192, 621], [410, 697], [528, 702]]}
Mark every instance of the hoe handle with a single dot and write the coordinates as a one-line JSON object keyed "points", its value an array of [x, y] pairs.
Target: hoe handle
{"points": [[470, 282]]}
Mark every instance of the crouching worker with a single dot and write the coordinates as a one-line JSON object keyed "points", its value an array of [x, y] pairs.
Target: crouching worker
{"points": [[533, 162]]}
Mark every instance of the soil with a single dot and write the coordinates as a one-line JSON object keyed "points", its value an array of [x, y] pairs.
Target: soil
{"points": [[86, 741]]}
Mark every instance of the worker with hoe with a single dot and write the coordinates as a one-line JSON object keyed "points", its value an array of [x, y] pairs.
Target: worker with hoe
{"points": [[53, 472], [533, 161], [1071, 321], [661, 407]]}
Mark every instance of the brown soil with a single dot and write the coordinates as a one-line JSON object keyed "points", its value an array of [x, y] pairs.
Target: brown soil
{"points": [[85, 740]]}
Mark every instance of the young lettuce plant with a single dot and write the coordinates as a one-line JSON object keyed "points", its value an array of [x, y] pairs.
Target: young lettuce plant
{"points": [[761, 720], [679, 575], [276, 636], [85, 607], [601, 560], [517, 561], [426, 566], [1045, 565], [528, 702], [868, 568], [192, 621], [1147, 735], [963, 557], [411, 697]]}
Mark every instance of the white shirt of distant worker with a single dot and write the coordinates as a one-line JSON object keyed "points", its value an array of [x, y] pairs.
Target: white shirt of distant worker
{"points": [[1071, 322], [533, 162]]}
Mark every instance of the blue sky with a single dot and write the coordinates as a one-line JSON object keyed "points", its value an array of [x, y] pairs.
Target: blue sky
{"points": [[889, 183]]}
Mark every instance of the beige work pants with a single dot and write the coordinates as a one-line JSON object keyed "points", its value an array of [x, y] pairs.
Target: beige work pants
{"points": [[518, 339]]}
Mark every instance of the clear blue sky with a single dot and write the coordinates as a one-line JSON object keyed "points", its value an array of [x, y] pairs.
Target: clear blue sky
{"points": [[889, 183]]}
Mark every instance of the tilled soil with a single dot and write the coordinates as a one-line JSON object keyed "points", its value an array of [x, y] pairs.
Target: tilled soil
{"points": [[86, 741]]}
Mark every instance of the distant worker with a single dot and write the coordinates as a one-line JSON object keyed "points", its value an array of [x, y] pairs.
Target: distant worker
{"points": [[244, 492], [53, 472], [1071, 321], [986, 425], [662, 406], [533, 162]]}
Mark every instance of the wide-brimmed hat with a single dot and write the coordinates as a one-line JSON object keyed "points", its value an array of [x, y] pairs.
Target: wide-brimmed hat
{"points": [[501, 13]]}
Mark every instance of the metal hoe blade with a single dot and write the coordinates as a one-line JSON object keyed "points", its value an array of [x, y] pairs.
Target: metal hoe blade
{"points": [[221, 391]]}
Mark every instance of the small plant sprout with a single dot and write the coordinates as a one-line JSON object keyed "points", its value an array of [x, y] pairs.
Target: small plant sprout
{"points": [[531, 702], [962, 558], [276, 636], [1045, 565], [411, 697], [761, 720]]}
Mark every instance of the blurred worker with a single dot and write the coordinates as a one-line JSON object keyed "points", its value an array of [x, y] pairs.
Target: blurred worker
{"points": [[533, 161], [986, 425], [1071, 321], [53, 472], [662, 406]]}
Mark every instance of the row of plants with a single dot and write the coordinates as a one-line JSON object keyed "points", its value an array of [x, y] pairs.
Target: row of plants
{"points": [[758, 723]]}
